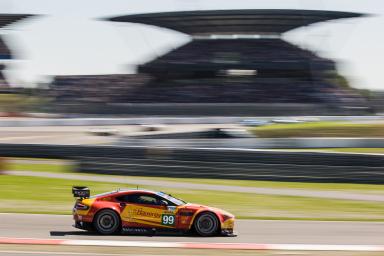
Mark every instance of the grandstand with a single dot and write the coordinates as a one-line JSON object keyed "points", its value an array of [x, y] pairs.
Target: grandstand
{"points": [[5, 53], [234, 57], [95, 88], [3, 82]]}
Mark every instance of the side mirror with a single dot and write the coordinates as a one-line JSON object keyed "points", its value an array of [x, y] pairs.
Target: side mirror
{"points": [[163, 203]]}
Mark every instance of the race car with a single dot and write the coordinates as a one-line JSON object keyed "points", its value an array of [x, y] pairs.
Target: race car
{"points": [[130, 210]]}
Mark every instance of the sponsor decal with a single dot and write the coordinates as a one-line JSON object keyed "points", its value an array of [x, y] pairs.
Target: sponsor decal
{"points": [[141, 212], [137, 230], [149, 216]]}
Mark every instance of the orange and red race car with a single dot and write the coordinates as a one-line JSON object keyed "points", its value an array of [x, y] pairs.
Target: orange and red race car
{"points": [[146, 211]]}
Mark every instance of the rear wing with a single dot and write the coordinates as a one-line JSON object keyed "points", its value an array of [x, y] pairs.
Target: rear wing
{"points": [[82, 192]]}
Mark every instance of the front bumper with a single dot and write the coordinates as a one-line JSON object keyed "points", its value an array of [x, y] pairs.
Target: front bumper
{"points": [[227, 227], [228, 232]]}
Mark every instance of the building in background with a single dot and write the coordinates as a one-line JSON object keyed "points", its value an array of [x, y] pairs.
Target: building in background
{"points": [[236, 63], [5, 52]]}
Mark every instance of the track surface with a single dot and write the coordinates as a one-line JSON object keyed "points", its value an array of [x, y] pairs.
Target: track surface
{"points": [[249, 231], [82, 135]]}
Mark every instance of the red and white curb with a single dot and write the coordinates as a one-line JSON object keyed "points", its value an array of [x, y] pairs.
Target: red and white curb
{"points": [[230, 246]]}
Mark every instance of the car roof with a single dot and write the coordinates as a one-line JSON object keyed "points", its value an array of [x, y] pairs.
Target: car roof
{"points": [[124, 191], [135, 190]]}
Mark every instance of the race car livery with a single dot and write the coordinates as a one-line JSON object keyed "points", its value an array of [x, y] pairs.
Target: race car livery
{"points": [[130, 210]]}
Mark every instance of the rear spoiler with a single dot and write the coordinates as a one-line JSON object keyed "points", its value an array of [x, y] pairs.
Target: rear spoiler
{"points": [[82, 192]]}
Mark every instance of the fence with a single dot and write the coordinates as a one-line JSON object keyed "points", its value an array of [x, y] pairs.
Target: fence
{"points": [[212, 163]]}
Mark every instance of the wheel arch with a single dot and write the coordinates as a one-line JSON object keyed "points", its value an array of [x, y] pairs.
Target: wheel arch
{"points": [[98, 206]]}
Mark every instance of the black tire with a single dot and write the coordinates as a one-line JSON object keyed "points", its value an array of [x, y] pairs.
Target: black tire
{"points": [[107, 222], [207, 224]]}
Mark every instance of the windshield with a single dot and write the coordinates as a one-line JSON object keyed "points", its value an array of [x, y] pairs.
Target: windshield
{"points": [[174, 200]]}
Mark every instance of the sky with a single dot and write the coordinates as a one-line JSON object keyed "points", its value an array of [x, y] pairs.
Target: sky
{"points": [[70, 38]]}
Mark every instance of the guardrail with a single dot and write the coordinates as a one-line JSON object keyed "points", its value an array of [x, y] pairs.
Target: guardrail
{"points": [[177, 141], [94, 121], [205, 109], [212, 163], [101, 121]]}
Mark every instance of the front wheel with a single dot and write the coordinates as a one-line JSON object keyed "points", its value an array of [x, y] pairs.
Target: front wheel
{"points": [[107, 222], [207, 224]]}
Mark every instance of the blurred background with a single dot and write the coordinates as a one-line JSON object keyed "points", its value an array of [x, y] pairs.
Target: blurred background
{"points": [[274, 105]]}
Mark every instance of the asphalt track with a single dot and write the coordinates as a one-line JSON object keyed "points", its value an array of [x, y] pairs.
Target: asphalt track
{"points": [[249, 231], [83, 135]]}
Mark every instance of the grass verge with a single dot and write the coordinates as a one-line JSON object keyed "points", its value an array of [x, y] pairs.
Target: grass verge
{"points": [[49, 195], [320, 129], [58, 167], [67, 168], [355, 150]]}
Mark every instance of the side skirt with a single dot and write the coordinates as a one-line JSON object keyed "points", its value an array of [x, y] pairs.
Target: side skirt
{"points": [[152, 231]]}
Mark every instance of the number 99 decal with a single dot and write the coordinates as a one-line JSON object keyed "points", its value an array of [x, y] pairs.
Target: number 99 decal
{"points": [[168, 219]]}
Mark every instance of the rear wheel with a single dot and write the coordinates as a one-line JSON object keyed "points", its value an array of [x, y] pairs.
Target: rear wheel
{"points": [[207, 224], [107, 222]]}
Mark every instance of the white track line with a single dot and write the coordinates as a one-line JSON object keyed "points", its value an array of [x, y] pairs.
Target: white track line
{"points": [[123, 243], [70, 253], [182, 245]]}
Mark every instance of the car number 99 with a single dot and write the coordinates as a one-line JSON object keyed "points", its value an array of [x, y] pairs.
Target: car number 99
{"points": [[168, 219]]}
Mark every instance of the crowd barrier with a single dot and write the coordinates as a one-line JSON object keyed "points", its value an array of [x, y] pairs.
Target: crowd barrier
{"points": [[206, 109], [212, 163]]}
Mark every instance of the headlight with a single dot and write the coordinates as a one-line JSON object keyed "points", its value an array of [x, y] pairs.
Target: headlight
{"points": [[226, 217]]}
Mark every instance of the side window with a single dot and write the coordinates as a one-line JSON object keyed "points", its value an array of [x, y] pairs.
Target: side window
{"points": [[125, 198], [148, 199], [139, 199]]}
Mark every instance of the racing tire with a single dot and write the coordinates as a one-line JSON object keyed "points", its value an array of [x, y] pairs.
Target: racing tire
{"points": [[207, 224], [107, 222]]}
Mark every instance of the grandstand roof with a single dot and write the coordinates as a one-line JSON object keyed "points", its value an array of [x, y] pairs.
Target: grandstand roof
{"points": [[7, 19], [242, 21]]}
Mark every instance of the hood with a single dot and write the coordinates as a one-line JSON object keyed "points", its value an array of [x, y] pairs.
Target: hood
{"points": [[200, 206]]}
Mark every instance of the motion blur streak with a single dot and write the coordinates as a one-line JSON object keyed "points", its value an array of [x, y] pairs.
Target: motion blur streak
{"points": [[266, 136]]}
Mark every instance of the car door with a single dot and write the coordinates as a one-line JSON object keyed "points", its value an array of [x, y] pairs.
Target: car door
{"points": [[147, 210]]}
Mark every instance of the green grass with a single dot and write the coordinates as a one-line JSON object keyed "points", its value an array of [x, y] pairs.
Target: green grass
{"points": [[358, 188], [49, 195], [320, 129], [337, 150], [40, 167], [342, 150], [356, 150]]}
